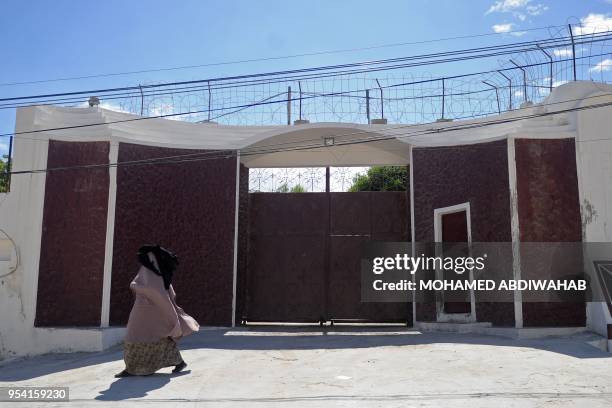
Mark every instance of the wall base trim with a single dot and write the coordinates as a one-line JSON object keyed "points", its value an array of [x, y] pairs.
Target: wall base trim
{"points": [[68, 340], [510, 332]]}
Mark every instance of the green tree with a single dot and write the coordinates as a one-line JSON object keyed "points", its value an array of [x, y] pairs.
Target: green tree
{"points": [[381, 178], [298, 188], [4, 177], [284, 188]]}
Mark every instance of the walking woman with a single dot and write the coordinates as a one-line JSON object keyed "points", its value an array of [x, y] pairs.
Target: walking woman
{"points": [[156, 323]]}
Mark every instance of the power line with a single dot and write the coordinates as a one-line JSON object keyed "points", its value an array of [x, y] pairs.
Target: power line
{"points": [[243, 106], [271, 58], [191, 89], [342, 93], [240, 107], [257, 151], [316, 71]]}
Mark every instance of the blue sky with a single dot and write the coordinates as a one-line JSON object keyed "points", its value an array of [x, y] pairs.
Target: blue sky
{"points": [[56, 39]]}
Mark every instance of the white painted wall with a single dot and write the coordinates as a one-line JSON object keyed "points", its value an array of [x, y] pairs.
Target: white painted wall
{"points": [[21, 219], [21, 212], [594, 164]]}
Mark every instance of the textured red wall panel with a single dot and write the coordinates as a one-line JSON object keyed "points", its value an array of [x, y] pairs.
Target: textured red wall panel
{"points": [[549, 211], [478, 174], [547, 187], [188, 207], [73, 236]]}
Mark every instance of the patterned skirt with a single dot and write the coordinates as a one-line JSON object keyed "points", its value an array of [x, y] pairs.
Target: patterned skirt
{"points": [[147, 358]]}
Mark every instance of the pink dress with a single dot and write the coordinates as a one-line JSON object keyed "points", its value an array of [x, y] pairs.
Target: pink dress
{"points": [[156, 322], [155, 314]]}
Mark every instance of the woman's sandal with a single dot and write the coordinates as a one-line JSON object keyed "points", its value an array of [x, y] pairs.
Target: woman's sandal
{"points": [[179, 367], [122, 374]]}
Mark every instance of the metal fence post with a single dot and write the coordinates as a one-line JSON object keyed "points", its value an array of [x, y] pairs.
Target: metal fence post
{"points": [[382, 103], [443, 92], [300, 87], [524, 79], [569, 26], [368, 105], [550, 74], [289, 105], [141, 100], [496, 95], [209, 98], [510, 81]]}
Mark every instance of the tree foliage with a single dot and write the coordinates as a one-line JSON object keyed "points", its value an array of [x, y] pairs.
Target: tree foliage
{"points": [[4, 177], [284, 188], [298, 188], [381, 178]]}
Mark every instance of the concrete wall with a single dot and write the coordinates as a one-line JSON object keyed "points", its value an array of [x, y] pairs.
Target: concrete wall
{"points": [[21, 220], [594, 165], [22, 206], [190, 208]]}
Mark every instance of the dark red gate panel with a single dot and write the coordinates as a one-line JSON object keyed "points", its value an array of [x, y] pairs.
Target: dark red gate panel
{"points": [[304, 261], [285, 278], [357, 218]]}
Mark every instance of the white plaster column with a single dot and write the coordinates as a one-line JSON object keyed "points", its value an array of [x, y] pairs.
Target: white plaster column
{"points": [[412, 234], [514, 224], [110, 233], [236, 218]]}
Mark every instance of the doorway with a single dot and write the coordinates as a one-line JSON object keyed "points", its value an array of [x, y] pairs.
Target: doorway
{"points": [[452, 229]]}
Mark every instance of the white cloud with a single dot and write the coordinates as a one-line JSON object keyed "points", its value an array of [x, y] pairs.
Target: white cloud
{"points": [[559, 83], [502, 28], [536, 9], [605, 65], [507, 28], [594, 23], [562, 52], [518, 8], [505, 6], [518, 93]]}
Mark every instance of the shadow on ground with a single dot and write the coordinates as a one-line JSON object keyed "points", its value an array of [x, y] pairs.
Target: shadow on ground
{"points": [[290, 338], [136, 387]]}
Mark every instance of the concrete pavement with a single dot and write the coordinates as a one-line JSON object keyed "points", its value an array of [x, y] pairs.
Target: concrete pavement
{"points": [[310, 367]]}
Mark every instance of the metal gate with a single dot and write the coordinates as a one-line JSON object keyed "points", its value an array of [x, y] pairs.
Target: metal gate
{"points": [[304, 254]]}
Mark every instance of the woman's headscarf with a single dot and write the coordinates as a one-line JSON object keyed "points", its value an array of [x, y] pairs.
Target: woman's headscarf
{"points": [[167, 262]]}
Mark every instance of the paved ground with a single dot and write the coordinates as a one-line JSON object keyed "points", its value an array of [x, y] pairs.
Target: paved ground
{"points": [[297, 367]]}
